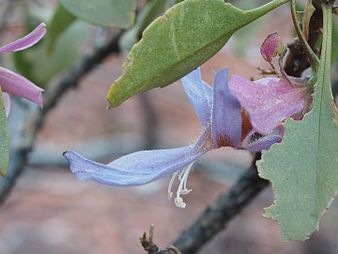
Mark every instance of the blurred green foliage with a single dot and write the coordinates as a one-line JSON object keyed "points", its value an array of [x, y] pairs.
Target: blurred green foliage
{"points": [[112, 13]]}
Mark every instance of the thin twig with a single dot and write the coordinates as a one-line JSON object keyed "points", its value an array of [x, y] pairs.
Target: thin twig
{"points": [[77, 72], [308, 50], [151, 248], [296, 60], [150, 121]]}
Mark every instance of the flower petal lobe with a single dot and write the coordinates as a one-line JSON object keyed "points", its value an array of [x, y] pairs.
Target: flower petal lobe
{"points": [[137, 168], [25, 42], [269, 101], [199, 94]]}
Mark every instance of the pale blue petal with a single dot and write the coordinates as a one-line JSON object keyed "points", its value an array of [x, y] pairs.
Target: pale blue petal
{"points": [[226, 124], [137, 168], [199, 94]]}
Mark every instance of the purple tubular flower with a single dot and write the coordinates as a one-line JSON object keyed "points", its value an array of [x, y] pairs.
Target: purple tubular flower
{"points": [[220, 115], [15, 84]]}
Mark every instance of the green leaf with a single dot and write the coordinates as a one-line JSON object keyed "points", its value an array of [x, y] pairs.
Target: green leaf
{"points": [[335, 45], [112, 13], [151, 11], [187, 35], [23, 65], [60, 21], [66, 52], [303, 168], [4, 139]]}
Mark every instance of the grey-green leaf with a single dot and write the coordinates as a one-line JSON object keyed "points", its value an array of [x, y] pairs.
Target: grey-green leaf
{"points": [[151, 11], [303, 168], [60, 21], [112, 13], [187, 35], [4, 139]]}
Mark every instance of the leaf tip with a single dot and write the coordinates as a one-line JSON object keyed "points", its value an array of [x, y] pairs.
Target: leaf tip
{"points": [[114, 99], [110, 105]]}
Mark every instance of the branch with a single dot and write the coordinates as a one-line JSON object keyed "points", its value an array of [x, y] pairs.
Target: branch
{"points": [[150, 121], [77, 72], [29, 118]]}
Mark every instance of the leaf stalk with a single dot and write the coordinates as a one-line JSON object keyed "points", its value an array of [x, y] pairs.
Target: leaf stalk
{"points": [[313, 59]]}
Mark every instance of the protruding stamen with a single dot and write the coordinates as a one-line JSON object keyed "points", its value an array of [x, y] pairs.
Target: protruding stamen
{"points": [[170, 193], [180, 203], [182, 187]]}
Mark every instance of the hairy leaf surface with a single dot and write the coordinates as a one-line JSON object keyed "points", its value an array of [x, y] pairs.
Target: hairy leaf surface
{"points": [[303, 168], [151, 10]]}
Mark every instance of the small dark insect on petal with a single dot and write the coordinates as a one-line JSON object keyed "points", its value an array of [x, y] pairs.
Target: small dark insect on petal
{"points": [[254, 137]]}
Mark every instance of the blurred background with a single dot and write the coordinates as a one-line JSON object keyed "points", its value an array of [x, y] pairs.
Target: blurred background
{"points": [[50, 211]]}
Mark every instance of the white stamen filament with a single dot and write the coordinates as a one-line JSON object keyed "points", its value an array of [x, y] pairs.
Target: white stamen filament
{"points": [[170, 193], [180, 175], [182, 187]]}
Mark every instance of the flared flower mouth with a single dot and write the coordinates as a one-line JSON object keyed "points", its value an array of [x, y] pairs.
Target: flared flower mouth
{"points": [[270, 101]]}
